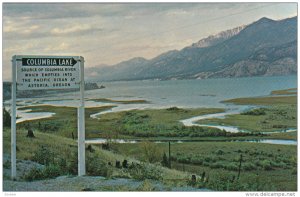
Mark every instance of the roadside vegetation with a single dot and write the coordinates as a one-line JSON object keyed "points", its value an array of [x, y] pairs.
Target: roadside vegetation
{"points": [[220, 166], [59, 157], [215, 165]]}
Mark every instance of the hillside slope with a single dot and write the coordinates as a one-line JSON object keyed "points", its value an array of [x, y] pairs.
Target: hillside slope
{"points": [[240, 54]]}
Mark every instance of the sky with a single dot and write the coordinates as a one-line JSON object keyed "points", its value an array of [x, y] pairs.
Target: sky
{"points": [[108, 33]]}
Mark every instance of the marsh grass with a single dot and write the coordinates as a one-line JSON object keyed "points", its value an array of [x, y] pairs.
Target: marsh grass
{"points": [[269, 100], [290, 91], [278, 113], [134, 123]]}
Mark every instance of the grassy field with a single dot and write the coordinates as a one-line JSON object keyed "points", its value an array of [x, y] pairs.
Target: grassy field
{"points": [[64, 122], [59, 155], [277, 97], [291, 91], [273, 166], [264, 166], [127, 124], [163, 124], [277, 113], [269, 100]]}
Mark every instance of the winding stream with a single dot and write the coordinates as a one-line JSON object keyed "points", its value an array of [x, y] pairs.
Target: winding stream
{"points": [[124, 141], [28, 115], [232, 129], [192, 122]]}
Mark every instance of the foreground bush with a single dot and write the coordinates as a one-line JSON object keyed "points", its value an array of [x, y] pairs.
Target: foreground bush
{"points": [[97, 167], [43, 155], [143, 171], [50, 171]]}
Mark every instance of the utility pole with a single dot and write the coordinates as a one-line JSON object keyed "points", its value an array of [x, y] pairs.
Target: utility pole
{"points": [[170, 154], [241, 159]]}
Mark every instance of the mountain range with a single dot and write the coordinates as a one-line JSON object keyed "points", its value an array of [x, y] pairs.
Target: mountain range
{"points": [[263, 48]]}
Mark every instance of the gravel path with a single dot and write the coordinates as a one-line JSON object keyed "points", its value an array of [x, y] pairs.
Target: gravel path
{"points": [[65, 183], [89, 183]]}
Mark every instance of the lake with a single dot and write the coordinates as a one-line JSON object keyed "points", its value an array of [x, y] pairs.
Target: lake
{"points": [[163, 94], [193, 93]]}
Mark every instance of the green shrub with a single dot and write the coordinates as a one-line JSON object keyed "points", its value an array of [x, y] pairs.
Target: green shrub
{"points": [[226, 182], [143, 171], [255, 112], [211, 159], [44, 155], [231, 166], [184, 159], [72, 163], [7, 164], [62, 163], [165, 161], [48, 172], [151, 152], [207, 159], [196, 160], [255, 183], [248, 166], [146, 186], [34, 174], [265, 164], [278, 164], [220, 152], [52, 171], [294, 171], [6, 118], [96, 167], [218, 164], [221, 182]]}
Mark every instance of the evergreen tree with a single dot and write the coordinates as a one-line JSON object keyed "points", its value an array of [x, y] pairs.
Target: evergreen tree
{"points": [[165, 161], [6, 118]]}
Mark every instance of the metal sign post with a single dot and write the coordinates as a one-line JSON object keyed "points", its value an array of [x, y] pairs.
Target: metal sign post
{"points": [[13, 121], [81, 123], [48, 72]]}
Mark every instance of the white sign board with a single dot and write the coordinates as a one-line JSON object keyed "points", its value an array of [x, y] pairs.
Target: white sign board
{"points": [[47, 72], [42, 73]]}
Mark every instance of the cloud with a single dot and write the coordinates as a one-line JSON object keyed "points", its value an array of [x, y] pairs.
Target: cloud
{"points": [[42, 11], [112, 32], [33, 30], [60, 47], [74, 30]]}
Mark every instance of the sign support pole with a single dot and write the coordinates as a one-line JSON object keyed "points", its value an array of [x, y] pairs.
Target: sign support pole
{"points": [[13, 120], [69, 67], [81, 123]]}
